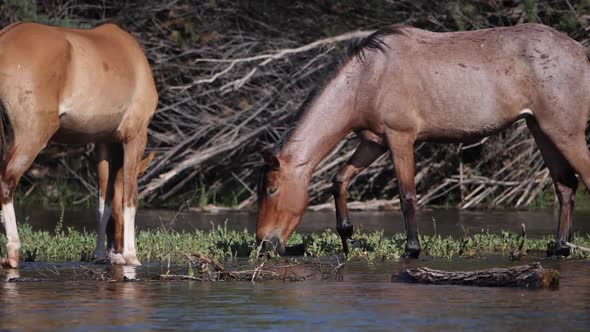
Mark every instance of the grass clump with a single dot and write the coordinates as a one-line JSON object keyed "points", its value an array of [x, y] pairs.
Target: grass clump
{"points": [[162, 245]]}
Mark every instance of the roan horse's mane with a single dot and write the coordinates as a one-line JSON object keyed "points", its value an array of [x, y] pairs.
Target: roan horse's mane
{"points": [[373, 42], [356, 49]]}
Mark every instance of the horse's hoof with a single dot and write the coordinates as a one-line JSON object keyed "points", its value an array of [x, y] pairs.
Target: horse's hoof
{"points": [[349, 244], [129, 279], [9, 263], [412, 252], [131, 260], [558, 249], [100, 256], [352, 243], [116, 259]]}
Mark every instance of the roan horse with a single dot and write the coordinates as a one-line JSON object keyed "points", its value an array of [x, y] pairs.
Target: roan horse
{"points": [[403, 85], [77, 87]]}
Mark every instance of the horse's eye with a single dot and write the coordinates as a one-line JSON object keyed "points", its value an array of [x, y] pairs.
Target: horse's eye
{"points": [[272, 190]]}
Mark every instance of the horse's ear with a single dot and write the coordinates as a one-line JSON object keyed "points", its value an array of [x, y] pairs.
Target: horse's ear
{"points": [[271, 160], [143, 165]]}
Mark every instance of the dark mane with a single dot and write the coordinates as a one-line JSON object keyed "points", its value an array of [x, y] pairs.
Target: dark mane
{"points": [[261, 181], [373, 42], [356, 49]]}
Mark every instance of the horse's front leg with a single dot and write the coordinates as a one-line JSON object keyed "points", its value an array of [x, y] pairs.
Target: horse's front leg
{"points": [[366, 153], [402, 151], [25, 147]]}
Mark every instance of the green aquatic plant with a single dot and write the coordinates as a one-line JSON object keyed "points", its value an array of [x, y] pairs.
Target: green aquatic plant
{"points": [[221, 243]]}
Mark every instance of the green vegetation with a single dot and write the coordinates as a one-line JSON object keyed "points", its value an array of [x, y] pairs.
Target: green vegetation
{"points": [[531, 10], [28, 10], [162, 245]]}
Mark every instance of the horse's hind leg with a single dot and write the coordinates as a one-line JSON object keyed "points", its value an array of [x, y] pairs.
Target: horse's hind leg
{"points": [[401, 146], [25, 147], [564, 180], [105, 194], [133, 149], [109, 211], [366, 153], [117, 217], [116, 222]]}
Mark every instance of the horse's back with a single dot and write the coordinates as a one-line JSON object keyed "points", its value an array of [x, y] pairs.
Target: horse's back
{"points": [[94, 76], [471, 84]]}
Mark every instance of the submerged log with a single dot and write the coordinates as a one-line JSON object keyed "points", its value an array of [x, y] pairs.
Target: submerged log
{"points": [[524, 276]]}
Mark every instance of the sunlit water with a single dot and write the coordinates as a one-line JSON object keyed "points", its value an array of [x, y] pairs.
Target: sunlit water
{"points": [[51, 297]]}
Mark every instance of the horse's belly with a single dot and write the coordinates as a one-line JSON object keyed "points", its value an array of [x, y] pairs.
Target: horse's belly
{"points": [[470, 127], [87, 125]]}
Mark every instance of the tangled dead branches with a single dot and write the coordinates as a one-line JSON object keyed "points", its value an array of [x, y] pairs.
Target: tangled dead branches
{"points": [[231, 75]]}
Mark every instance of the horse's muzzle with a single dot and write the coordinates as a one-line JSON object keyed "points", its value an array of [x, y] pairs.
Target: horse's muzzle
{"points": [[271, 243]]}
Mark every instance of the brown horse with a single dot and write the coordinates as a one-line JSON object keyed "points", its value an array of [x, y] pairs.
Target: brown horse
{"points": [[76, 87], [403, 85]]}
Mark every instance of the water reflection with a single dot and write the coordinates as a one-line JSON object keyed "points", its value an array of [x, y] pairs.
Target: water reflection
{"points": [[364, 300]]}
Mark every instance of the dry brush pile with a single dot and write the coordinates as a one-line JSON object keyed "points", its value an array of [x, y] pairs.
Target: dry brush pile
{"points": [[231, 75]]}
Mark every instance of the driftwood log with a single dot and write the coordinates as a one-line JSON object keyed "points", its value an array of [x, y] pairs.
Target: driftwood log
{"points": [[524, 276]]}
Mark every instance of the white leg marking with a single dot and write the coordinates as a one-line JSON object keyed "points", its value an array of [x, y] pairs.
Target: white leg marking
{"points": [[12, 273], [129, 251], [13, 243], [116, 258], [526, 111], [103, 213], [129, 272]]}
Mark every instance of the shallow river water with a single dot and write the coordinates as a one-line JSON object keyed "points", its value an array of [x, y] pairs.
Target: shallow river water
{"points": [[365, 299]]}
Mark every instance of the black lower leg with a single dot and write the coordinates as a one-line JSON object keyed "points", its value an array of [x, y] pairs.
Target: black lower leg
{"points": [[408, 205], [565, 190], [345, 230], [110, 235], [343, 224]]}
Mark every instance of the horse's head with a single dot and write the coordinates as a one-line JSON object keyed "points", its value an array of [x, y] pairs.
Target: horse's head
{"points": [[282, 198]]}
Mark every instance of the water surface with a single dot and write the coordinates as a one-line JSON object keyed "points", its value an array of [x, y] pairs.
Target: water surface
{"points": [[364, 300]]}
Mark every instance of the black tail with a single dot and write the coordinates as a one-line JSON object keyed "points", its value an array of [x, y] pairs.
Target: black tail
{"points": [[5, 132], [2, 132]]}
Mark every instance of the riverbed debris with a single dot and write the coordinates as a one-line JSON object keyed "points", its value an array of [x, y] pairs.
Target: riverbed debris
{"points": [[532, 276], [579, 248], [203, 268]]}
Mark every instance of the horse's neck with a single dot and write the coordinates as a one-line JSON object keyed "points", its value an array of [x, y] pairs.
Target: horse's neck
{"points": [[329, 118]]}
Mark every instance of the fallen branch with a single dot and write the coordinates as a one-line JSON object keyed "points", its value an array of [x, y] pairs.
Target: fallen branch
{"points": [[285, 270], [524, 276], [577, 247]]}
